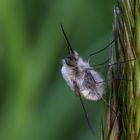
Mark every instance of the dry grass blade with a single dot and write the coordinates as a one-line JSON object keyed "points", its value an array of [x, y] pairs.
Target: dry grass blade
{"points": [[124, 95]]}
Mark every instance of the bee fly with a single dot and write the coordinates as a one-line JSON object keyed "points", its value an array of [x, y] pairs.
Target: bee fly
{"points": [[83, 79], [80, 76]]}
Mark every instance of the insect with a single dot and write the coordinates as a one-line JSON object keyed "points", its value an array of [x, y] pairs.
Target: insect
{"points": [[80, 76], [83, 79]]}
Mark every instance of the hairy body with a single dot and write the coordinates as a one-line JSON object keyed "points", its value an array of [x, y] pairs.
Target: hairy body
{"points": [[89, 82]]}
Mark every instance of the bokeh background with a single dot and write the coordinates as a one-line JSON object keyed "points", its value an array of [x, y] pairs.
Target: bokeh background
{"points": [[35, 102]]}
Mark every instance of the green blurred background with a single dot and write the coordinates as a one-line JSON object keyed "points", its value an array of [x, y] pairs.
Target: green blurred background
{"points": [[35, 102]]}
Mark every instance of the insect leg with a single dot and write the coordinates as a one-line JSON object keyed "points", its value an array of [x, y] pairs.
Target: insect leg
{"points": [[123, 62], [84, 109], [103, 48], [103, 97], [102, 64]]}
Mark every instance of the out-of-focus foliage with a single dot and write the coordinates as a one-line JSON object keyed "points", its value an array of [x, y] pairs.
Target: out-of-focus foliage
{"points": [[35, 102]]}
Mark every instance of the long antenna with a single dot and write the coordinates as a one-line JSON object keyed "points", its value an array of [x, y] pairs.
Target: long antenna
{"points": [[103, 48], [69, 45]]}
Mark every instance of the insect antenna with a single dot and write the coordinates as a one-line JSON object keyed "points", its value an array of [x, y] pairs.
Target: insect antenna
{"points": [[69, 45]]}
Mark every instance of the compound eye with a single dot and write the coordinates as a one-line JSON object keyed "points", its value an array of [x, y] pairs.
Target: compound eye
{"points": [[71, 61], [68, 61], [72, 58]]}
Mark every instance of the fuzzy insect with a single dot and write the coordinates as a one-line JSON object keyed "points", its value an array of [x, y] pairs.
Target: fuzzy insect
{"points": [[80, 76], [84, 80]]}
